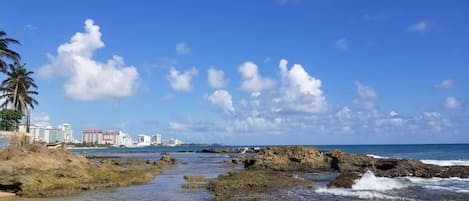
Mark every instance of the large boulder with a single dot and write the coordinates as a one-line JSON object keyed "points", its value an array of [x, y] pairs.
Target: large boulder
{"points": [[291, 158], [350, 166]]}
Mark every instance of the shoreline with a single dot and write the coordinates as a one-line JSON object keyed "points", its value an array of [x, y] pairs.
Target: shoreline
{"points": [[57, 172]]}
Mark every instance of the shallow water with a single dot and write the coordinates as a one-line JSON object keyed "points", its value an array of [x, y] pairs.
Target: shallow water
{"points": [[166, 186]]}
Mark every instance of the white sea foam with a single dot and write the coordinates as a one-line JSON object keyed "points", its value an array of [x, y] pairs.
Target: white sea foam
{"points": [[370, 186], [371, 182], [376, 156], [447, 162], [362, 194], [453, 184]]}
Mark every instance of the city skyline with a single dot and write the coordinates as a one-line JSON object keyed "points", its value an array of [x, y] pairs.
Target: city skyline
{"points": [[264, 72]]}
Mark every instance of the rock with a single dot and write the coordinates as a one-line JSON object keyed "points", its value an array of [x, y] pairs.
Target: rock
{"points": [[4, 196], [309, 159], [344, 180], [195, 178], [35, 171], [294, 158], [252, 184], [193, 185]]}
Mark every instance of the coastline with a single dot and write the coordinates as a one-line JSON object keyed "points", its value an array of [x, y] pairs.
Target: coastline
{"points": [[36, 171], [233, 174]]}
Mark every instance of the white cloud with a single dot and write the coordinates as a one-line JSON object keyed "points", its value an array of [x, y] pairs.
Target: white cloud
{"points": [[89, 79], [252, 81], [445, 84], [181, 81], [182, 48], [452, 103], [41, 119], [223, 100], [366, 98], [300, 91], [168, 97], [216, 78], [177, 126], [30, 27], [421, 26], [393, 114], [341, 44]]}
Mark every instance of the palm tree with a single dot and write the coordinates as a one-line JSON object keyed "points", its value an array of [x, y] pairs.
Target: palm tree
{"points": [[6, 52], [17, 90]]}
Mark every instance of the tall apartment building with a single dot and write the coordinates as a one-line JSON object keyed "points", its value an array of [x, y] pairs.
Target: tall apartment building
{"points": [[92, 136], [67, 132], [156, 139], [110, 137], [53, 135]]}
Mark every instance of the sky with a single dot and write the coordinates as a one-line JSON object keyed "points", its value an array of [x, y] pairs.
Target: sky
{"points": [[250, 72]]}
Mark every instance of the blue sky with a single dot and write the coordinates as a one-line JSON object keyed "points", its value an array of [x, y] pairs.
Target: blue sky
{"points": [[358, 72]]}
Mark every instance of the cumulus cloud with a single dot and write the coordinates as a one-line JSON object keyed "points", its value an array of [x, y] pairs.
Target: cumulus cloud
{"points": [[300, 91], [216, 78], [341, 44], [452, 103], [40, 119], [421, 26], [252, 80], [30, 27], [445, 84], [181, 81], [182, 48], [297, 107], [223, 100], [89, 79], [366, 96]]}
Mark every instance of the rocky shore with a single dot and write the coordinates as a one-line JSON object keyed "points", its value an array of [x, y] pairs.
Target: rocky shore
{"points": [[278, 167], [35, 171]]}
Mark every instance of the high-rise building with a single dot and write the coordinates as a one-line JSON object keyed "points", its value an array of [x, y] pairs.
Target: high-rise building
{"points": [[92, 136], [124, 139], [67, 132], [53, 135], [143, 140], [110, 137], [37, 133], [156, 139]]}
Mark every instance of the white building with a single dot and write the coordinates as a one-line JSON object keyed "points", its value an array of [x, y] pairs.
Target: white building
{"points": [[175, 142], [124, 139], [156, 139], [67, 132], [143, 140], [37, 133]]}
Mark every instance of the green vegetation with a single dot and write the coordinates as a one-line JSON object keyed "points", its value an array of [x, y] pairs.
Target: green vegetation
{"points": [[18, 88], [9, 119], [6, 52]]}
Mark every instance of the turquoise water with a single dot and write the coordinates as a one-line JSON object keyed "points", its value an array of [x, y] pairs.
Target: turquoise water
{"points": [[168, 185]]}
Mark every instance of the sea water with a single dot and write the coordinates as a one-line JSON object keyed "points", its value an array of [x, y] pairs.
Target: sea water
{"points": [[167, 186]]}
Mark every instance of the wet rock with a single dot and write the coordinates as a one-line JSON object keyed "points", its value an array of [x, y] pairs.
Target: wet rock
{"points": [[35, 171], [252, 184], [309, 159], [294, 158], [195, 178]]}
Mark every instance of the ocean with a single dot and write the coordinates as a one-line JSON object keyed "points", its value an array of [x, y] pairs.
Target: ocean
{"points": [[168, 185]]}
